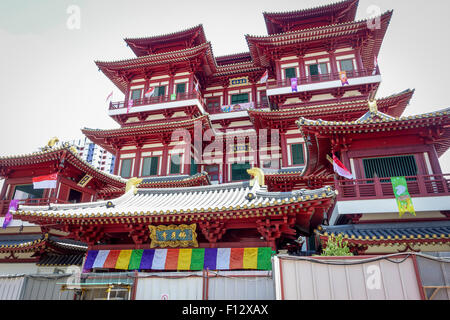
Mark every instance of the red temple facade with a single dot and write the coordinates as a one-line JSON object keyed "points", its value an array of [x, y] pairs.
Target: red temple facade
{"points": [[237, 147]]}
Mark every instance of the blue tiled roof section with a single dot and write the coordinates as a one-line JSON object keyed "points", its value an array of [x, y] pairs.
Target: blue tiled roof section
{"points": [[283, 170], [391, 229], [10, 240]]}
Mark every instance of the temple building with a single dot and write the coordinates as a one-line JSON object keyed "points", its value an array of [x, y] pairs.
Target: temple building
{"points": [[222, 161]]}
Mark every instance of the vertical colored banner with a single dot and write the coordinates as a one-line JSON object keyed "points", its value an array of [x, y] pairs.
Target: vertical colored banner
{"points": [[343, 77], [402, 196], [294, 84], [173, 96], [13, 205], [130, 104]]}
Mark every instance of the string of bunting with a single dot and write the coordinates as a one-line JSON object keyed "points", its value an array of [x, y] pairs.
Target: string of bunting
{"points": [[181, 259]]}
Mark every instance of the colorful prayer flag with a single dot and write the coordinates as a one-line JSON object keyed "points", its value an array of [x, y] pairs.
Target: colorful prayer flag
{"points": [[343, 77], [13, 205], [294, 84], [402, 196], [45, 182], [173, 96], [181, 259]]}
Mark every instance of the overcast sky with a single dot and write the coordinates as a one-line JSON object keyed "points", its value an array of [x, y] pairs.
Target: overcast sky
{"points": [[50, 85]]}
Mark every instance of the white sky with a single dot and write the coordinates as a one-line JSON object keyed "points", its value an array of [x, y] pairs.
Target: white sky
{"points": [[50, 86]]}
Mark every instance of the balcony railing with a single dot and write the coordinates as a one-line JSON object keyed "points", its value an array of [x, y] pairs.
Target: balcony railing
{"points": [[218, 109], [381, 188], [324, 77], [156, 100], [4, 204]]}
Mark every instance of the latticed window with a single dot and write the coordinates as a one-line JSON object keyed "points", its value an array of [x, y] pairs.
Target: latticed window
{"points": [[193, 167], [387, 167], [150, 166], [181, 88], [347, 65], [239, 171], [297, 154], [290, 73], [136, 94], [125, 170], [175, 164], [239, 98], [160, 91]]}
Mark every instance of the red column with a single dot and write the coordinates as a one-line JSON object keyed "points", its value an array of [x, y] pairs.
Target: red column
{"points": [[359, 63], [191, 83], [171, 85], [137, 162], [278, 70], [333, 63], [301, 67], [254, 93], [117, 162], [164, 159], [284, 154], [225, 95]]}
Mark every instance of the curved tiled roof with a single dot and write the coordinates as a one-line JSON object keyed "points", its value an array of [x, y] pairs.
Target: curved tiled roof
{"points": [[347, 8], [223, 198], [393, 232], [394, 104], [141, 46], [370, 47], [54, 154]]}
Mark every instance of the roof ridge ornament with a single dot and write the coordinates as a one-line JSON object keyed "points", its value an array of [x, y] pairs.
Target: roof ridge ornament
{"points": [[258, 176], [133, 183], [373, 108]]}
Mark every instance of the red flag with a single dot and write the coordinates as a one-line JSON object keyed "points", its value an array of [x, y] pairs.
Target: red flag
{"points": [[150, 92], [109, 96], [45, 182], [264, 77], [340, 169]]}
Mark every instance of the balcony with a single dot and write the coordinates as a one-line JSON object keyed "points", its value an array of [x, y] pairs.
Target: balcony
{"points": [[361, 196], [381, 188], [157, 103], [236, 110], [324, 81]]}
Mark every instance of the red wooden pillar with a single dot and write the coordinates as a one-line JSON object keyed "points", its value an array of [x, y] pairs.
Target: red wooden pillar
{"points": [[225, 95], [284, 154], [171, 85], [301, 68], [278, 70], [254, 93], [333, 63], [191, 83], [137, 162], [359, 63], [164, 158], [117, 162]]}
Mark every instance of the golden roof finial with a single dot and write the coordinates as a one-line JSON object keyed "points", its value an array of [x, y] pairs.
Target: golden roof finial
{"points": [[373, 106], [52, 142]]}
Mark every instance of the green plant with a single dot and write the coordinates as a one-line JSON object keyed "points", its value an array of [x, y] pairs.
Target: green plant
{"points": [[336, 247]]}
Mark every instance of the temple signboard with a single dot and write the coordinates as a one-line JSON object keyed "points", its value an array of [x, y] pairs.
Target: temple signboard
{"points": [[173, 236]]}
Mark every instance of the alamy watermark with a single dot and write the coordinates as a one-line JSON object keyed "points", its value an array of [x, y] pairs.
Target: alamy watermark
{"points": [[73, 21]]}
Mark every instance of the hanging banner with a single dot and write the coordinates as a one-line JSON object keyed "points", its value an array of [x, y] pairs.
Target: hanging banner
{"points": [[173, 96], [402, 196], [294, 84], [130, 104], [173, 236], [237, 107], [343, 77]]}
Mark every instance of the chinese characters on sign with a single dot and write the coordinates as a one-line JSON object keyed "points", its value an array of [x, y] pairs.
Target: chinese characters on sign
{"points": [[173, 236]]}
